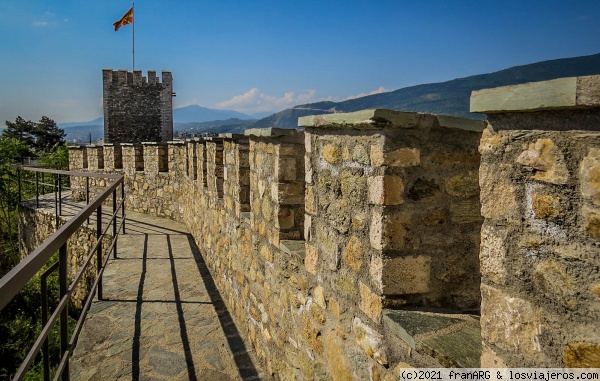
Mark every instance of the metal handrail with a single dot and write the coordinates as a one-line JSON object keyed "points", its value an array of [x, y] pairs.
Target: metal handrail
{"points": [[22, 273]]}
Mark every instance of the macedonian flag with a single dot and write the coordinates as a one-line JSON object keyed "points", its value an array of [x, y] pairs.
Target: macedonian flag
{"points": [[126, 19]]}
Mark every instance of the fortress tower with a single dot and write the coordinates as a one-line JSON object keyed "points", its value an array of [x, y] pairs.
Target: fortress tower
{"points": [[137, 108]]}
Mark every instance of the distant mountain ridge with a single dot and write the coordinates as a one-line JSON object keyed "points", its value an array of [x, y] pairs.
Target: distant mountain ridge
{"points": [[449, 98]]}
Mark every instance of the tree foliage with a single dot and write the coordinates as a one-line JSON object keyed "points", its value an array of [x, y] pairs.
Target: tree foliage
{"points": [[20, 320], [39, 138]]}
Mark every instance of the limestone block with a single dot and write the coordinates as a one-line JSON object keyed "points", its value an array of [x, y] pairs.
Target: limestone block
{"points": [[498, 195], [353, 185], [285, 218], [385, 190], [391, 231], [492, 254], [511, 323], [463, 186], [310, 260], [490, 141], [582, 355], [406, 275], [285, 168], [353, 254], [338, 364], [360, 154], [331, 153], [552, 280], [545, 206], [590, 176], [402, 157], [370, 303], [319, 296], [490, 359], [369, 340], [548, 161]]}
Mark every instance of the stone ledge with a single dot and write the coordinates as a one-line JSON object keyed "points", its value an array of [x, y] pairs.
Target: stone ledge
{"points": [[270, 132], [453, 340], [562, 93], [364, 119], [384, 118], [293, 247]]}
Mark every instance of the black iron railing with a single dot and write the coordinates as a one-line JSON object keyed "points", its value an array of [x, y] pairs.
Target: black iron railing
{"points": [[32, 264]]}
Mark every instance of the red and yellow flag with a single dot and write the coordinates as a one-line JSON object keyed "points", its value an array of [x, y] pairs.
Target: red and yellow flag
{"points": [[126, 19]]}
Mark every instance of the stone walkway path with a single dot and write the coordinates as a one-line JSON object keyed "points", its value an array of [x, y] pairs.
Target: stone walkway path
{"points": [[162, 317]]}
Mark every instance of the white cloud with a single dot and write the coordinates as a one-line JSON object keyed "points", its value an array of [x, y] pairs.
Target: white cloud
{"points": [[256, 101], [378, 91], [40, 24]]}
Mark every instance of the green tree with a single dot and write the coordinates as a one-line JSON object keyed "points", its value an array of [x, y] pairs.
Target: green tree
{"points": [[21, 130], [38, 137], [47, 134]]}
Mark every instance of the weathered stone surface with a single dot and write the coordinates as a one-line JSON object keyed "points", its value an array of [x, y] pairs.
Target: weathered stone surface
{"points": [[370, 303], [353, 254], [493, 253], [406, 275], [545, 206], [551, 279], [463, 185], [386, 190], [590, 176], [545, 157], [510, 323], [552, 94], [582, 355], [336, 360]]}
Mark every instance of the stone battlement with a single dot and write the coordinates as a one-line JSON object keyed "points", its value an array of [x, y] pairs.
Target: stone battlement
{"points": [[126, 78], [328, 243]]}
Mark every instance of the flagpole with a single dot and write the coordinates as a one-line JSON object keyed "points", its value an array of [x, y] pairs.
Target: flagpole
{"points": [[133, 38]]}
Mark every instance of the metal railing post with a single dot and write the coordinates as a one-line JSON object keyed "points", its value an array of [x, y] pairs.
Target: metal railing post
{"points": [[64, 315], [56, 202], [87, 193], [59, 195], [37, 188], [99, 250], [114, 222], [123, 204], [19, 181]]}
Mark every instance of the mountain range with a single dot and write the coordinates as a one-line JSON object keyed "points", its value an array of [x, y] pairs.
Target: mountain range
{"points": [[448, 98]]}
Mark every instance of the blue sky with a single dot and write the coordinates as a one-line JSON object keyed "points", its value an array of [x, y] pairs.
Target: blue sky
{"points": [[264, 56]]}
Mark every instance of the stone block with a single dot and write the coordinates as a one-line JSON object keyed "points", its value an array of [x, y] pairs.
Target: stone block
{"points": [[511, 323], [498, 195], [582, 355], [402, 157], [331, 153], [337, 362], [553, 281], [353, 254], [545, 206], [548, 161], [285, 218], [369, 340], [406, 275], [490, 359], [385, 190], [589, 172], [492, 254], [285, 168], [310, 260], [391, 231], [463, 186], [353, 185], [370, 303]]}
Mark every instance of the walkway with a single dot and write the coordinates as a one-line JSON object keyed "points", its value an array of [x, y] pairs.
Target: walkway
{"points": [[162, 317]]}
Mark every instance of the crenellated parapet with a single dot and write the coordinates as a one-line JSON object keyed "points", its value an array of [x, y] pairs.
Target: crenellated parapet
{"points": [[540, 196], [372, 240], [137, 108]]}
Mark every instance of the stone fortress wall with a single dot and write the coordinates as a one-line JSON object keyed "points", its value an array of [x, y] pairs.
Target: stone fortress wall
{"points": [[329, 243], [137, 108]]}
